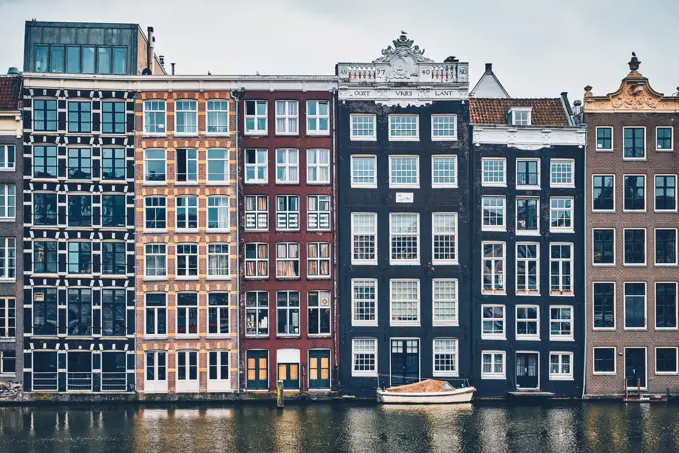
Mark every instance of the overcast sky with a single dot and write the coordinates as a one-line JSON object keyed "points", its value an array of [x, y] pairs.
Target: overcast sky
{"points": [[538, 48]]}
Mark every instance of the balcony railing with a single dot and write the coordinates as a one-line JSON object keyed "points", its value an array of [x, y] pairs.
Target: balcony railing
{"points": [[45, 382], [79, 382], [113, 382]]}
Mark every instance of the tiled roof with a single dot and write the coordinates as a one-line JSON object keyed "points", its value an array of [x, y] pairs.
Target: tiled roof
{"points": [[545, 112], [10, 92]]}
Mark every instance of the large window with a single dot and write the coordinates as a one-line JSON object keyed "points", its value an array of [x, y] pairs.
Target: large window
{"points": [[604, 305], [156, 314], [187, 213], [364, 302], [104, 60], [80, 116], [665, 246], [187, 166], [218, 166], [45, 115], [493, 213], [443, 171], [445, 357], [256, 117], [256, 212], [444, 302], [562, 172], [113, 117], [604, 360], [287, 118], [187, 260], [318, 213], [364, 171], [493, 365], [319, 313], [493, 267], [45, 257], [635, 305], [113, 312], [364, 238], [7, 258], [527, 173], [218, 313], [318, 166], [527, 268], [443, 127], [217, 116], [603, 193], [666, 305], [317, 118], [665, 192], [218, 260], [80, 210], [404, 127], [79, 257], [405, 302], [603, 253], [156, 260], [8, 363], [635, 143], [604, 138], [44, 209], [155, 213], [493, 172], [256, 166], [493, 322], [404, 171], [287, 305], [154, 118], [318, 260], [561, 269], [257, 260], [256, 313], [186, 117], [635, 247], [79, 163], [287, 212], [364, 357], [113, 164], [80, 311], [666, 360], [404, 238], [287, 166], [114, 258], [527, 322], [663, 138], [635, 193], [287, 260], [7, 157], [154, 166], [560, 323], [444, 238], [41, 58], [7, 201], [362, 127], [45, 162], [527, 215], [561, 366], [45, 311], [7, 317], [218, 213], [561, 214], [156, 367], [187, 314]]}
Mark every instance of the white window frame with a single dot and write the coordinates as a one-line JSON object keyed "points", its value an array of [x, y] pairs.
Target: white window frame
{"points": [[451, 137], [255, 117], [535, 232], [645, 177], [355, 261], [502, 183], [662, 150], [676, 179], [209, 110], [153, 230], [561, 376], [455, 320], [352, 128], [492, 374], [257, 213], [286, 166], [562, 292], [213, 254], [615, 305], [318, 213], [155, 183], [288, 213], [364, 282], [435, 233], [5, 152], [570, 337], [524, 291], [256, 260], [319, 260], [318, 117], [455, 353], [502, 208], [7, 198], [528, 186], [9, 255], [624, 261], [494, 336], [183, 111], [219, 208], [655, 249], [363, 373], [227, 167], [614, 194], [256, 166], [395, 261], [552, 210], [676, 305], [219, 316], [399, 185], [615, 361], [146, 254], [416, 137], [522, 336], [5, 303], [187, 159], [624, 307], [156, 385], [361, 185], [552, 173], [288, 258], [162, 102], [645, 143], [318, 166], [615, 255], [187, 209], [287, 116], [527, 110], [495, 290], [417, 300], [187, 276], [219, 385], [440, 185], [655, 361], [155, 317], [596, 138]]}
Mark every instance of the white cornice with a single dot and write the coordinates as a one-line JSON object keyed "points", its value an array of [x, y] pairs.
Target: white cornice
{"points": [[529, 138]]}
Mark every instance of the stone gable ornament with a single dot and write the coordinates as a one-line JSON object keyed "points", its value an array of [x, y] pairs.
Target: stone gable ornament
{"points": [[403, 47]]}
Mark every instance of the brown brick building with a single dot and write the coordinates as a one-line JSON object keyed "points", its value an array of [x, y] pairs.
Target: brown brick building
{"points": [[632, 220]]}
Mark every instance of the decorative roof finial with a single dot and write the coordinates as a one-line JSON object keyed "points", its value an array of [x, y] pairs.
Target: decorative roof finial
{"points": [[634, 63]]}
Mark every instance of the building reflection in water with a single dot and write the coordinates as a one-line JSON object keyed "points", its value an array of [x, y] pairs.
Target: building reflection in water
{"points": [[491, 425]]}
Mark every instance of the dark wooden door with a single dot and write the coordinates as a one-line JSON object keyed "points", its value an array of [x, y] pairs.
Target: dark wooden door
{"points": [[635, 367], [527, 370], [405, 362], [258, 370], [319, 369]]}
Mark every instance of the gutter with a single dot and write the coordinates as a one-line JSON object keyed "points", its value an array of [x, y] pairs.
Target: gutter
{"points": [[335, 236], [235, 96]]}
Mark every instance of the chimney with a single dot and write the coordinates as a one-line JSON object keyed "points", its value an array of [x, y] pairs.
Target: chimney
{"points": [[172, 64], [150, 62], [489, 68]]}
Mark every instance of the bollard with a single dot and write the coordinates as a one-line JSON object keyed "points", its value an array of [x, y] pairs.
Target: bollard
{"points": [[280, 399]]}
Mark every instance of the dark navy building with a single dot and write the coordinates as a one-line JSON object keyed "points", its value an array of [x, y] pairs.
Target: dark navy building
{"points": [[528, 301], [404, 248]]}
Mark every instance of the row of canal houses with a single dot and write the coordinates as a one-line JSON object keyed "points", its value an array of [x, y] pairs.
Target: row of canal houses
{"points": [[172, 234]]}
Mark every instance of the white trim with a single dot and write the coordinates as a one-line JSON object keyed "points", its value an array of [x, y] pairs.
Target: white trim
{"points": [[176, 116], [559, 229], [561, 376], [287, 166], [419, 354], [655, 249], [308, 357], [404, 262], [502, 183], [436, 185], [353, 359], [354, 185], [376, 248], [155, 309], [596, 139], [554, 161], [538, 370], [256, 130], [353, 137], [318, 117], [456, 299], [144, 130], [154, 230], [676, 361], [614, 248], [286, 116], [395, 185], [493, 375], [155, 277], [492, 336], [502, 208], [287, 258], [528, 110], [645, 144], [256, 165], [318, 166], [499, 290], [445, 137], [155, 183], [615, 303], [433, 357], [207, 117], [418, 301], [614, 194], [675, 192], [186, 208], [570, 337], [645, 365], [256, 260], [156, 385], [624, 186], [615, 361], [624, 312], [528, 337], [416, 137], [662, 150], [528, 186], [624, 257], [187, 385], [218, 385], [434, 234], [562, 292], [527, 292], [676, 305], [354, 322], [537, 214]]}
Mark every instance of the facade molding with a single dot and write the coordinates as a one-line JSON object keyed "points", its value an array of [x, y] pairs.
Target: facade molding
{"points": [[531, 138]]}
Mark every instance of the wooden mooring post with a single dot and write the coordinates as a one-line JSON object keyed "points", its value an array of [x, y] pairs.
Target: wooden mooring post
{"points": [[280, 399]]}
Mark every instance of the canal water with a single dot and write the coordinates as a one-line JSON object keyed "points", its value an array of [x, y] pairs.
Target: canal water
{"points": [[341, 427]]}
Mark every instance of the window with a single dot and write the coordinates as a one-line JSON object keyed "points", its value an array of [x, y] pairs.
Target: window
{"points": [[113, 312], [256, 212], [186, 117], [492, 365], [635, 190], [443, 171], [219, 369], [560, 366], [492, 322], [218, 314], [635, 143], [443, 127], [604, 247], [8, 317], [666, 247], [187, 213], [444, 238], [527, 215], [287, 166], [119, 60], [318, 260], [318, 213], [7, 258], [45, 311], [527, 268], [56, 58], [520, 116], [364, 357], [217, 116], [155, 213], [256, 166], [113, 164], [319, 312], [404, 171], [287, 260], [218, 166], [663, 139], [604, 138], [445, 357], [44, 209], [317, 118], [493, 267], [404, 302], [45, 115], [256, 313], [604, 360], [88, 60], [187, 314], [364, 302], [45, 257], [403, 127], [114, 258], [318, 166], [635, 247], [45, 162], [287, 213], [603, 193], [154, 118], [218, 260], [404, 237], [255, 117], [79, 311], [154, 166], [104, 60], [362, 127], [561, 269], [80, 210], [364, 172], [665, 193], [8, 363], [218, 213], [187, 165], [444, 301], [187, 260], [79, 163], [113, 117], [156, 315], [256, 260], [527, 173], [493, 213], [364, 238], [562, 173], [79, 257], [561, 323], [665, 305], [7, 157], [604, 305], [156, 260], [635, 305], [41, 58], [665, 360], [287, 303], [80, 116], [493, 172], [287, 118], [527, 322], [156, 366], [561, 214]]}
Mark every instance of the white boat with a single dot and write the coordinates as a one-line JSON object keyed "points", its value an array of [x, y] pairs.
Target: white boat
{"points": [[426, 392]]}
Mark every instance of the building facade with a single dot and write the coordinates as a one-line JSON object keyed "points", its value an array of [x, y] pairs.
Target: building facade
{"points": [[631, 203], [527, 289], [288, 227], [404, 204]]}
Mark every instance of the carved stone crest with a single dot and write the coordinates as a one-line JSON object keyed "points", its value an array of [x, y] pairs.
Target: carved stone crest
{"points": [[403, 47]]}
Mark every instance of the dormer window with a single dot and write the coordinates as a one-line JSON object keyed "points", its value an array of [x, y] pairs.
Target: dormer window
{"points": [[520, 116]]}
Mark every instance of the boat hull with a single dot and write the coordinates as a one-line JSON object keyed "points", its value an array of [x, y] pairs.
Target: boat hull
{"points": [[463, 395]]}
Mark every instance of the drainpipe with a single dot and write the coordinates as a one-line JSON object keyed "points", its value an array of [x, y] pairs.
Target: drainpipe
{"points": [[584, 246], [335, 233], [235, 95], [150, 47]]}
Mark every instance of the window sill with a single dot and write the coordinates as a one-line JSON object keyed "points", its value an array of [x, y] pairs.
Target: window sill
{"points": [[115, 276], [287, 183], [223, 336], [603, 264], [257, 337], [155, 337], [218, 134], [404, 139], [401, 187], [219, 231], [520, 338], [570, 339], [404, 324], [560, 231], [152, 135], [445, 263], [316, 277], [528, 233], [604, 329], [374, 186], [665, 211], [603, 211], [226, 182], [7, 219], [256, 278], [154, 231], [561, 294], [489, 184], [444, 139], [318, 134], [562, 186], [186, 230], [154, 183], [665, 264], [8, 280], [491, 338], [528, 293], [404, 263], [446, 324], [494, 292], [635, 329], [667, 329], [633, 159], [444, 186], [186, 134], [287, 278], [634, 211], [319, 335], [490, 377], [666, 373], [364, 324], [8, 339], [256, 133], [263, 183], [490, 229], [318, 230], [561, 378], [364, 263], [368, 375], [79, 276], [187, 337], [521, 187]]}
